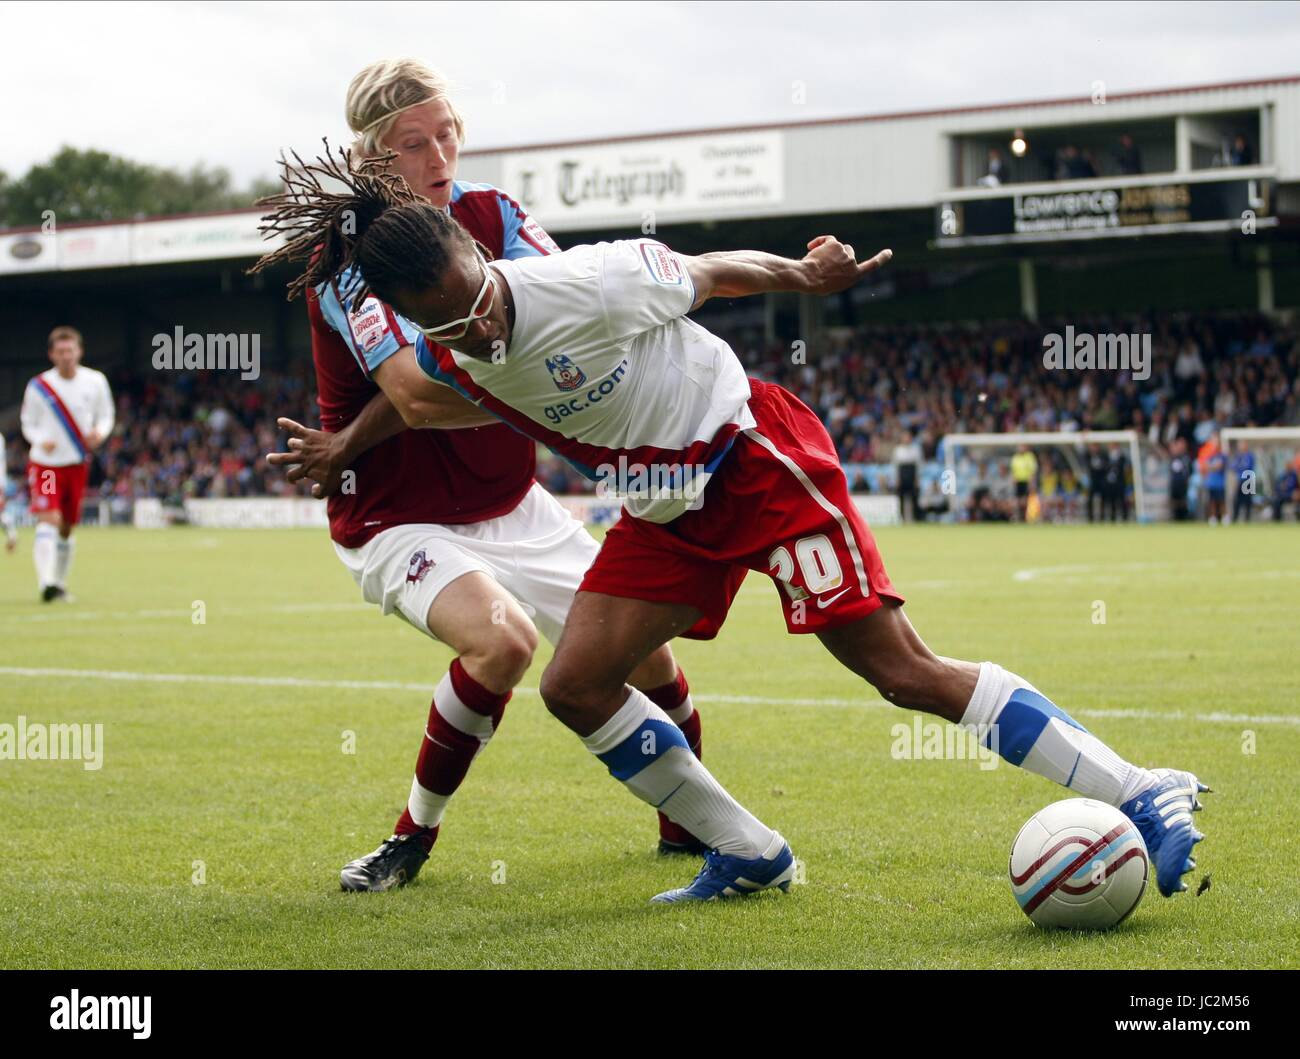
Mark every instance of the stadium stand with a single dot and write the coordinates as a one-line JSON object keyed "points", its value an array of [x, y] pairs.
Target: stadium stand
{"points": [[206, 434]]}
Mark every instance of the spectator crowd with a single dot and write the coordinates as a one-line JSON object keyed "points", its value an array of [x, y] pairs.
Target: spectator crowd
{"points": [[887, 394]]}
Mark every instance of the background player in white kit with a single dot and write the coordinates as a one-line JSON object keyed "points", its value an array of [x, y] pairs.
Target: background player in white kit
{"points": [[67, 413]]}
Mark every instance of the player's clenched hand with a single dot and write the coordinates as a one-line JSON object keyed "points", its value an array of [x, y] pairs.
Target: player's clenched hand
{"points": [[312, 454], [831, 266]]}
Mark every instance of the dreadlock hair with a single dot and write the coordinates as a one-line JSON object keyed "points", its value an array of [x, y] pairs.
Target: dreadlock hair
{"points": [[398, 240]]}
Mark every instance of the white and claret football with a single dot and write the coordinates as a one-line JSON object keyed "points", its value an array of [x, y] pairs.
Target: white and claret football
{"points": [[1078, 864]]}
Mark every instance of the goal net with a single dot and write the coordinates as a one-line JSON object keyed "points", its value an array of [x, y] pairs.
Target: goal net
{"points": [[1089, 475]]}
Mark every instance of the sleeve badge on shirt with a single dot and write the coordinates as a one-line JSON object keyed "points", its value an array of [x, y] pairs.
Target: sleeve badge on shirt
{"points": [[564, 373], [538, 235], [664, 265], [369, 323]]}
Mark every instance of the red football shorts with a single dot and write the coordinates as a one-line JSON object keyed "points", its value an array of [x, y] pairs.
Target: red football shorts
{"points": [[779, 503], [57, 489]]}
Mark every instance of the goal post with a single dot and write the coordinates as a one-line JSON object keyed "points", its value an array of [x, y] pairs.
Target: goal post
{"points": [[960, 460]]}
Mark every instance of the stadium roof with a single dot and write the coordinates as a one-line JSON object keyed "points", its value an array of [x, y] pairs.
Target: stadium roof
{"points": [[895, 161], [898, 115]]}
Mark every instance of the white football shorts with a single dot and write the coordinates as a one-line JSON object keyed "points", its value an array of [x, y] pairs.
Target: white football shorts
{"points": [[538, 552]]}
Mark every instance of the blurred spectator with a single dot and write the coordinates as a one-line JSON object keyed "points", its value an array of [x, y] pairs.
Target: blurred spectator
{"points": [[1180, 477], [985, 507], [1213, 465], [934, 504], [1286, 490], [1073, 164], [1114, 496], [1098, 464], [1243, 483], [1128, 159], [1240, 152], [1024, 471], [907, 462], [1189, 368], [997, 170]]}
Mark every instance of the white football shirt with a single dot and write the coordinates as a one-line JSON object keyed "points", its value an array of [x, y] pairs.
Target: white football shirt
{"points": [[604, 368], [84, 404]]}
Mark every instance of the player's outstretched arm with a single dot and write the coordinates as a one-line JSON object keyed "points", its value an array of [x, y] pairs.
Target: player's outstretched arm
{"points": [[828, 268], [422, 402]]}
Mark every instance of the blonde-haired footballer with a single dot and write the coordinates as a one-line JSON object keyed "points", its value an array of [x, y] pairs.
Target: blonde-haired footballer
{"points": [[446, 528], [67, 413]]}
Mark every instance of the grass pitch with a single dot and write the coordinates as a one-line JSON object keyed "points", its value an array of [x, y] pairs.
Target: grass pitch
{"points": [[226, 803]]}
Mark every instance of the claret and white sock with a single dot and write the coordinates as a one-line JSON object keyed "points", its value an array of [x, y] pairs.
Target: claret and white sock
{"points": [[464, 715]]}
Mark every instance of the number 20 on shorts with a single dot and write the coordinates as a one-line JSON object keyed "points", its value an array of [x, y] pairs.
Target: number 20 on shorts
{"points": [[818, 565]]}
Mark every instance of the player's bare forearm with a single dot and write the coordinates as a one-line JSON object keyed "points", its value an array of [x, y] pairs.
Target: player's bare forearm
{"points": [[422, 402], [740, 273], [442, 408], [827, 268]]}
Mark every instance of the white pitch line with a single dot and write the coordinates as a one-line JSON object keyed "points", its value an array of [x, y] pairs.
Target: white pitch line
{"points": [[1033, 573], [1213, 717], [179, 612], [212, 678]]}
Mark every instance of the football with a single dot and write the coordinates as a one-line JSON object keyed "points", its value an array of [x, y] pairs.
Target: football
{"points": [[1078, 864]]}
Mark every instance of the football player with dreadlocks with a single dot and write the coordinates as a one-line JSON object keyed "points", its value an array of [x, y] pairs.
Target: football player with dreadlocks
{"points": [[755, 484]]}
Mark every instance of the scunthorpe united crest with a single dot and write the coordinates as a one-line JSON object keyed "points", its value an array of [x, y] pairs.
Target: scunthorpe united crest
{"points": [[419, 565]]}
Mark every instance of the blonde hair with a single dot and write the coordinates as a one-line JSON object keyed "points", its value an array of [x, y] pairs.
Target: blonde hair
{"points": [[383, 90]]}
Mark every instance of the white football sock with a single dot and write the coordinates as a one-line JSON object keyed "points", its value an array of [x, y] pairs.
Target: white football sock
{"points": [[43, 552], [63, 560], [642, 743], [425, 807], [1037, 735]]}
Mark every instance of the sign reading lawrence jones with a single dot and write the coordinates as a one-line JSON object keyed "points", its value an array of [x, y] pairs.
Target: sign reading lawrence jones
{"points": [[1112, 211]]}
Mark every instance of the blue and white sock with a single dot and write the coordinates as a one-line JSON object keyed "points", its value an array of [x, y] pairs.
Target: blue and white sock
{"points": [[1013, 717], [644, 750]]}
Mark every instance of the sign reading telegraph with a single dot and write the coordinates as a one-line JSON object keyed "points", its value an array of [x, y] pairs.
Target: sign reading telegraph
{"points": [[619, 182]]}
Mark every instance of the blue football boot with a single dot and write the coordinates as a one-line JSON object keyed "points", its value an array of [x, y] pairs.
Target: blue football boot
{"points": [[727, 876], [1163, 815]]}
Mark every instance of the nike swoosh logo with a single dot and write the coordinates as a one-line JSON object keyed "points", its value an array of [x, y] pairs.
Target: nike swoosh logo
{"points": [[823, 603], [435, 742]]}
